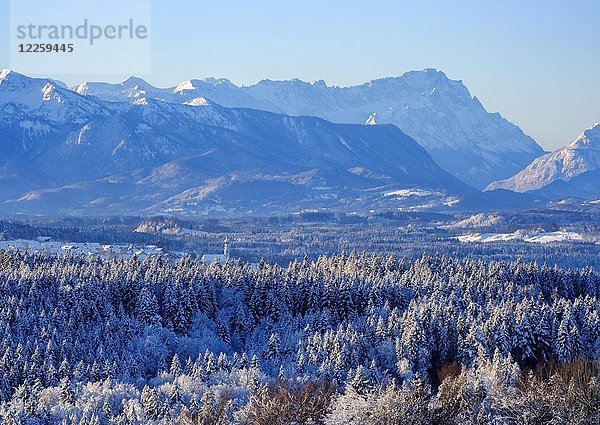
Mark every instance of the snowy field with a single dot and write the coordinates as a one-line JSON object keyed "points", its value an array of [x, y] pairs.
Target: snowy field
{"points": [[558, 236]]}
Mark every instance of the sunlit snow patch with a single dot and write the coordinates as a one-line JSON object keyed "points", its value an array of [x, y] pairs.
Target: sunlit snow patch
{"points": [[404, 193], [371, 120], [559, 236], [555, 237]]}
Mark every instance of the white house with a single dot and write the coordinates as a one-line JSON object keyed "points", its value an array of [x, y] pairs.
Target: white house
{"points": [[221, 258]]}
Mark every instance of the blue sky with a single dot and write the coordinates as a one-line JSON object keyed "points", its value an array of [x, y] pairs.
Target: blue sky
{"points": [[534, 61]]}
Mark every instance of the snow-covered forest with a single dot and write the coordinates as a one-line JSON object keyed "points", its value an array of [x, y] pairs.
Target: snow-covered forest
{"points": [[359, 339]]}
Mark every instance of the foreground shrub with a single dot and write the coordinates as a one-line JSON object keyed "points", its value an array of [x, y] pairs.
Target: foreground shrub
{"points": [[287, 402]]}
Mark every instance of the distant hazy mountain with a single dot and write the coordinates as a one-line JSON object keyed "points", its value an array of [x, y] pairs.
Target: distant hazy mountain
{"points": [[439, 113], [62, 152], [573, 170]]}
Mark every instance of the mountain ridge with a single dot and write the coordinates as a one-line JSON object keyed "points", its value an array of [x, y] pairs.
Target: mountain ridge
{"points": [[151, 156], [439, 113], [568, 164]]}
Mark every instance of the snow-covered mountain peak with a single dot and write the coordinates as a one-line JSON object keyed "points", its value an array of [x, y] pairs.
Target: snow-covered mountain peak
{"points": [[425, 76], [196, 84], [185, 86], [217, 81], [427, 73], [590, 136], [13, 81], [579, 157], [19, 89], [294, 82], [431, 81], [414, 87], [132, 82], [128, 90], [4, 73]]}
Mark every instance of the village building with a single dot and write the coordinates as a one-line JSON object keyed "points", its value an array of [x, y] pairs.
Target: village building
{"points": [[221, 258]]}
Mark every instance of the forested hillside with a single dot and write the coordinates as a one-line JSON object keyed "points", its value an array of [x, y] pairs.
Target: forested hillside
{"points": [[345, 339]]}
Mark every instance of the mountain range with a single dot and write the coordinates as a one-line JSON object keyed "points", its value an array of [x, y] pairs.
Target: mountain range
{"points": [[208, 146], [62, 152], [572, 171], [439, 113]]}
